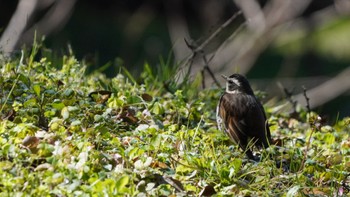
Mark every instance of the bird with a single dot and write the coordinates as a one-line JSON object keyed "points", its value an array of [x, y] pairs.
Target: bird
{"points": [[241, 115]]}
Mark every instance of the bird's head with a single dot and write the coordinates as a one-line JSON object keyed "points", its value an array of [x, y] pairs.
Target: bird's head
{"points": [[237, 83]]}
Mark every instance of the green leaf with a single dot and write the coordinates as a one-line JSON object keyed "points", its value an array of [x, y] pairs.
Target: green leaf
{"points": [[36, 89], [135, 152], [183, 169], [65, 113], [158, 109], [293, 191], [98, 117], [128, 74], [58, 106], [25, 80], [121, 183], [156, 141], [30, 103], [50, 113], [68, 93]]}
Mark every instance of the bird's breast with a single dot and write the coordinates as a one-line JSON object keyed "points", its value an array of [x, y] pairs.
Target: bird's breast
{"points": [[239, 104]]}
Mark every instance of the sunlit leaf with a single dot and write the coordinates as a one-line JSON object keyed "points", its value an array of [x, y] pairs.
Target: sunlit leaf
{"points": [[36, 89], [293, 191], [151, 136], [122, 182], [65, 113], [58, 106]]}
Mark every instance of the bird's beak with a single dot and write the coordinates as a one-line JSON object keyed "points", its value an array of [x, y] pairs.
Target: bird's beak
{"points": [[224, 76]]}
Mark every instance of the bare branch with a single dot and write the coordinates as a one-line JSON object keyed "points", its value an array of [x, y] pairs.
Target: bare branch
{"points": [[243, 51], [189, 61], [54, 20], [327, 90], [289, 98], [252, 11], [21, 31], [212, 36], [10, 37], [307, 100], [207, 68], [195, 51]]}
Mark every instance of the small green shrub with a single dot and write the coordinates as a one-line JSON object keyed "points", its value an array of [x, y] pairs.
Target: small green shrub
{"points": [[65, 133]]}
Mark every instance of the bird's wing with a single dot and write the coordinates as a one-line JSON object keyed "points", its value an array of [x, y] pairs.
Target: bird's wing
{"points": [[219, 121], [229, 122], [267, 129]]}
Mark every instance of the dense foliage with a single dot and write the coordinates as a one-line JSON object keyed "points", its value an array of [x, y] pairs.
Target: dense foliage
{"points": [[64, 133]]}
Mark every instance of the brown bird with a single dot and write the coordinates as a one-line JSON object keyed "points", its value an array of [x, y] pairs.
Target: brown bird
{"points": [[241, 116]]}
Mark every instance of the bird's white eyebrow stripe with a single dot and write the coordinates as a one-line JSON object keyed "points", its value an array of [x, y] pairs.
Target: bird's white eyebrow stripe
{"points": [[235, 81]]}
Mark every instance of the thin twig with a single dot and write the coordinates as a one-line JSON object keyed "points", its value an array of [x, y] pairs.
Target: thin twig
{"points": [[206, 67], [211, 37], [179, 162], [312, 123], [307, 100], [289, 97], [199, 49], [191, 58], [203, 78]]}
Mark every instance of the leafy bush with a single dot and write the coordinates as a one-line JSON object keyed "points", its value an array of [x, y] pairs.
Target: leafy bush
{"points": [[64, 133]]}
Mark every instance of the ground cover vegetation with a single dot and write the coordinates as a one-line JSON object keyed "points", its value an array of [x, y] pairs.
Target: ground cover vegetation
{"points": [[67, 133]]}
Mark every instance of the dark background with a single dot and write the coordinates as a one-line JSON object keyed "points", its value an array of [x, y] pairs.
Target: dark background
{"points": [[129, 33]]}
